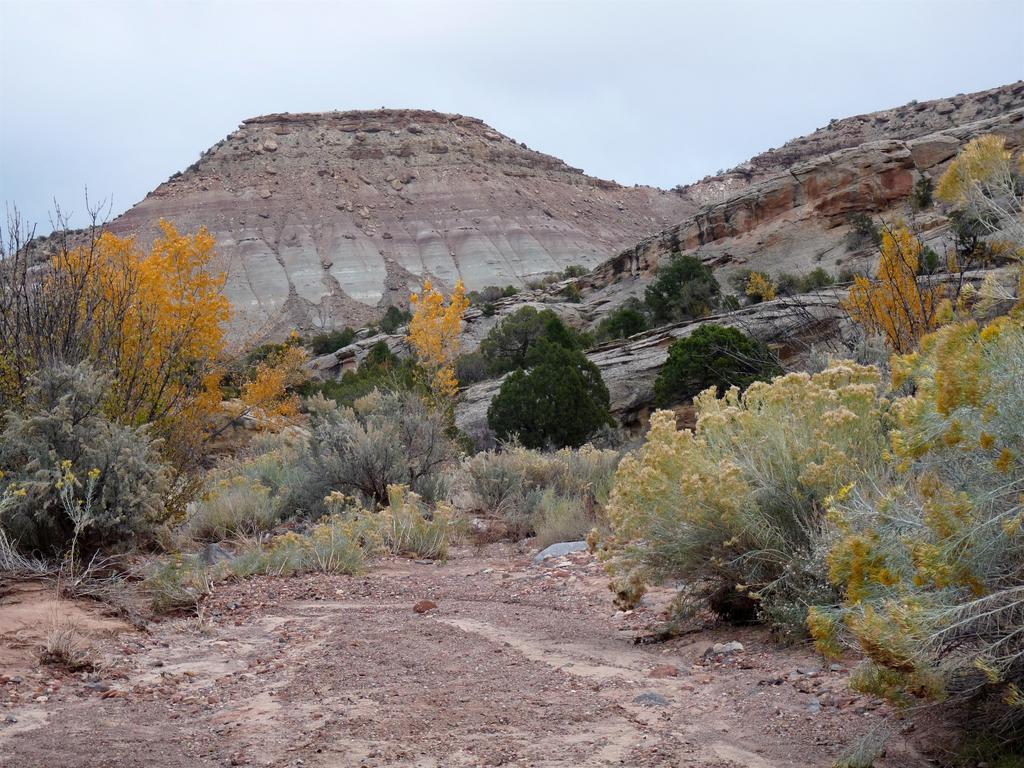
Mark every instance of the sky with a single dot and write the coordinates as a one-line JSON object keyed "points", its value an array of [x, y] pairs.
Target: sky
{"points": [[114, 97]]}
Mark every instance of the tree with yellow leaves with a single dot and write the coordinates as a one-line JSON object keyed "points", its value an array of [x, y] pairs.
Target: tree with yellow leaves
{"points": [[435, 335], [760, 287], [153, 320], [896, 304], [271, 391]]}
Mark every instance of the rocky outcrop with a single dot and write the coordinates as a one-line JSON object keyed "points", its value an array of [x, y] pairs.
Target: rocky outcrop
{"points": [[792, 326], [323, 219], [918, 118], [798, 219]]}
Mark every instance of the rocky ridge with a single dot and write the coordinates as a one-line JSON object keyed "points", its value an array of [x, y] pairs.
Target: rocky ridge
{"points": [[908, 121], [323, 219]]}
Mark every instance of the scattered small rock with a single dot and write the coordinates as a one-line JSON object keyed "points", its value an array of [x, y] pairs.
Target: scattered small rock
{"points": [[215, 553], [423, 606], [651, 699], [725, 649], [559, 550], [665, 670]]}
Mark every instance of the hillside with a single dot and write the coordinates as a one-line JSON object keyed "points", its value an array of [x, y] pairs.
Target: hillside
{"points": [[792, 220], [323, 219]]}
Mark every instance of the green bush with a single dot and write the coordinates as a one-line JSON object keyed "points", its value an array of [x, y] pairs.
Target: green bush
{"points": [[62, 420], [382, 369], [621, 323], [864, 233], [921, 197], [561, 401], [684, 288], [491, 293], [574, 270], [406, 527], [562, 518], [394, 318], [789, 284], [332, 341], [471, 367], [514, 341], [735, 510], [712, 356]]}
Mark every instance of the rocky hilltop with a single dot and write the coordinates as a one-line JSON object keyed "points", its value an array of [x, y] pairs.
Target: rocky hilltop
{"points": [[908, 121], [323, 219]]}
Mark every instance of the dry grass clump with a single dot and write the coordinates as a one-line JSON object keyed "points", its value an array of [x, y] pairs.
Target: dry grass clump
{"points": [[237, 506], [65, 647], [512, 484]]}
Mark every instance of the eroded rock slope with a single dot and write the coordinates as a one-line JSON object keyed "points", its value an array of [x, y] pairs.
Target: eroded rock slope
{"points": [[322, 219]]}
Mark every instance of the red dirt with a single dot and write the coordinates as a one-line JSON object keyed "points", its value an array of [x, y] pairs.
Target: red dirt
{"points": [[519, 665]]}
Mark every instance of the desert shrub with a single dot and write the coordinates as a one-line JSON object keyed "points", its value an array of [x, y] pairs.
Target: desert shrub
{"points": [[789, 284], [760, 288], [713, 356], [896, 304], [850, 273], [735, 509], [471, 367], [393, 319], [491, 293], [572, 293], [334, 545], [178, 582], [574, 270], [561, 401], [684, 288], [332, 341], [384, 439], [514, 342], [921, 197], [621, 323], [512, 483], [235, 506], [60, 436], [864, 233], [931, 566], [562, 518], [381, 369], [407, 527]]}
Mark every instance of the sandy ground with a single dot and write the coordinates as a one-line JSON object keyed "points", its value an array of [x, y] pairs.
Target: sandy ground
{"points": [[519, 665]]}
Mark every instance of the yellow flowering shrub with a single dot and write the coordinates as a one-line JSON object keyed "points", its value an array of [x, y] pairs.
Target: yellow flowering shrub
{"points": [[736, 508], [760, 287], [931, 565]]}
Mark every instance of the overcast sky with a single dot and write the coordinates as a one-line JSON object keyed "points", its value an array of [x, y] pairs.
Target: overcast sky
{"points": [[117, 96]]}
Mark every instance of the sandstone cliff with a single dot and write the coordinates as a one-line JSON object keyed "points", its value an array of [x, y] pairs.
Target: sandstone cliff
{"points": [[908, 121], [322, 219]]}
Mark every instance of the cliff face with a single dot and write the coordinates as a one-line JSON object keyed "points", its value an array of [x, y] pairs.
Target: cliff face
{"points": [[322, 219], [909, 121], [798, 219]]}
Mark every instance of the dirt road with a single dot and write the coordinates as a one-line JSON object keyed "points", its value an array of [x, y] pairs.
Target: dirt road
{"points": [[518, 665]]}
